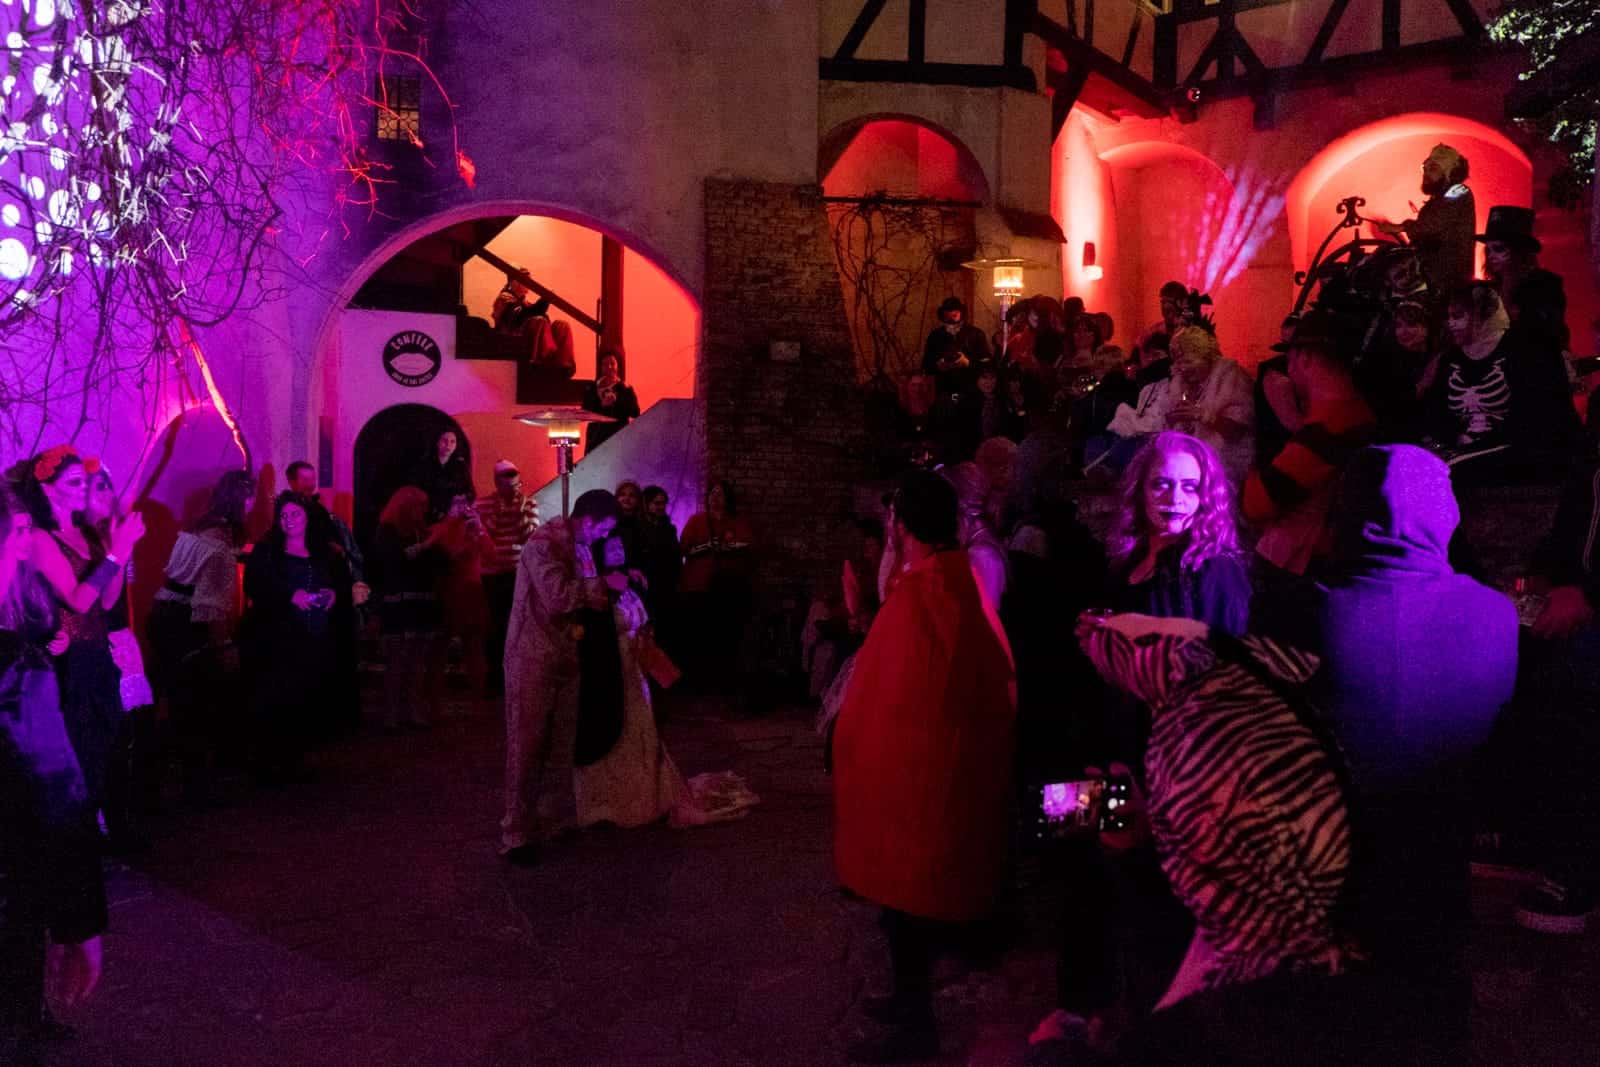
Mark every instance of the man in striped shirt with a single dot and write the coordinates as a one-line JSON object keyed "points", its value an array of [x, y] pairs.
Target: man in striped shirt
{"points": [[1289, 498], [509, 516]]}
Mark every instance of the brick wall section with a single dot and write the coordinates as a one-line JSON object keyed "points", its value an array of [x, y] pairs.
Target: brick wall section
{"points": [[787, 434]]}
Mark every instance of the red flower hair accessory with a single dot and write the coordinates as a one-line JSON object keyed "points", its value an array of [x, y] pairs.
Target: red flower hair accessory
{"points": [[50, 460]]}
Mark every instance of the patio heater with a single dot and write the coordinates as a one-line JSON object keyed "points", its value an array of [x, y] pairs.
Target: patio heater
{"points": [[563, 424], [1007, 287]]}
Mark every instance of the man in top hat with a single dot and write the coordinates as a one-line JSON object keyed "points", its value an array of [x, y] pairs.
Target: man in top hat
{"points": [[1510, 250], [1290, 497], [1442, 231], [954, 348]]}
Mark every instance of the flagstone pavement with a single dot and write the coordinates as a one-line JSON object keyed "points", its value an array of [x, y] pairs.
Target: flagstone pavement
{"points": [[365, 919]]}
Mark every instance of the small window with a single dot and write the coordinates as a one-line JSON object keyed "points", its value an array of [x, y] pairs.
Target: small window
{"points": [[397, 102]]}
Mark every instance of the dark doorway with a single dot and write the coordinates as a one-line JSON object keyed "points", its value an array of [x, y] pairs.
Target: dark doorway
{"points": [[389, 449]]}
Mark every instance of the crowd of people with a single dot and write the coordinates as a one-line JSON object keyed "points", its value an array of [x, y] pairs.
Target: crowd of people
{"points": [[541, 616], [1282, 646]]}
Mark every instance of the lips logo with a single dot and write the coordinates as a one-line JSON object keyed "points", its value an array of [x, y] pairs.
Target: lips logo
{"points": [[412, 358]]}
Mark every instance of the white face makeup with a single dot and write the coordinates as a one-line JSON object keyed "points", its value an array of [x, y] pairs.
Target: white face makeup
{"points": [[1172, 494]]}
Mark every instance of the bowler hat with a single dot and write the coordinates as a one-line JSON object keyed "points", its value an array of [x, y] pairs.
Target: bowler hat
{"points": [[1512, 225]]}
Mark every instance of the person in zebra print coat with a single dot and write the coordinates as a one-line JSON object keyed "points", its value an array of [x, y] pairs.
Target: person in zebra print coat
{"points": [[1245, 801]]}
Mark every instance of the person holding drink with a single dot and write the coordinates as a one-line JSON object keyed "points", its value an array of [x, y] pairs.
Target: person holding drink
{"points": [[610, 396]]}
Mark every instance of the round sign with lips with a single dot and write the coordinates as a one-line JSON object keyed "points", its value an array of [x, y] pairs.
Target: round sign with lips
{"points": [[412, 358]]}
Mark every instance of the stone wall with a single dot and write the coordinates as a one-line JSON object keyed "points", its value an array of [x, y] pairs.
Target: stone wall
{"points": [[783, 419]]}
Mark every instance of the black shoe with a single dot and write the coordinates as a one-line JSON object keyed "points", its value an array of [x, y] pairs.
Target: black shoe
{"points": [[903, 1044], [1553, 908], [522, 856]]}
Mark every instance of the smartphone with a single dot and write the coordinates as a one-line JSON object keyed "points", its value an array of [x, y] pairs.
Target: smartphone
{"points": [[1087, 804]]}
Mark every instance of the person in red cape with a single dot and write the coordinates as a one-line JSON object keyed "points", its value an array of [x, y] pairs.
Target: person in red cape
{"points": [[923, 757]]}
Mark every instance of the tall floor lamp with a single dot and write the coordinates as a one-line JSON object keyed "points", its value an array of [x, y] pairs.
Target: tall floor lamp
{"points": [[564, 424]]}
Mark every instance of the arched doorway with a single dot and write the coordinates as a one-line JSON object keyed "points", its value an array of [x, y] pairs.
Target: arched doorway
{"points": [[388, 450], [435, 278], [903, 206]]}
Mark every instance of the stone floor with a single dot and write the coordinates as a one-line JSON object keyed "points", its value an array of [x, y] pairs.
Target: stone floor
{"points": [[365, 919]]}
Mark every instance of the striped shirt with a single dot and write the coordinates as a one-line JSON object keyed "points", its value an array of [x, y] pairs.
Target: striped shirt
{"points": [[509, 525]]}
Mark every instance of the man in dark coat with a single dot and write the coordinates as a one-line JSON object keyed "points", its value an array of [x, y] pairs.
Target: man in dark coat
{"points": [[954, 349], [1417, 662]]}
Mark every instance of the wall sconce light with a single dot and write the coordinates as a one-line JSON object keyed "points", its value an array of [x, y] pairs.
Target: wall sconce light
{"points": [[1091, 270]]}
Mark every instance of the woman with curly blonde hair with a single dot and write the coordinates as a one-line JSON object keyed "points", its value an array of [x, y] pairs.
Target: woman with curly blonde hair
{"points": [[1175, 549]]}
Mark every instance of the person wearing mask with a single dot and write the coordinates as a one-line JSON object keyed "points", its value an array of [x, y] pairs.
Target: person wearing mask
{"points": [[1417, 662], [1211, 398], [86, 577], [509, 516], [52, 892], [1442, 231], [610, 396], [412, 561], [294, 583], [557, 578], [1290, 497], [190, 631], [922, 757], [954, 348]]}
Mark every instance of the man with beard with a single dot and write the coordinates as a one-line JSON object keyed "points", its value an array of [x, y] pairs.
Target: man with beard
{"points": [[1442, 232]]}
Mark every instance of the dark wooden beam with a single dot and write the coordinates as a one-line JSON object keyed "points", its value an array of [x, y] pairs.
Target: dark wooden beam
{"points": [[1186, 11], [1088, 21], [1164, 53], [1330, 23], [583, 317], [1019, 15], [1097, 63], [1064, 89], [1340, 70], [1133, 37], [611, 296], [1213, 48], [972, 75], [917, 31], [1226, 39], [1253, 67], [1391, 24], [858, 29], [1471, 25]]}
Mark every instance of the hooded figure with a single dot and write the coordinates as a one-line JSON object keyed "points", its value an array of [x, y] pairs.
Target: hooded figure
{"points": [[1417, 661]]}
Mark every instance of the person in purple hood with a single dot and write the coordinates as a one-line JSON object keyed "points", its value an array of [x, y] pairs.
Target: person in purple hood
{"points": [[1417, 662]]}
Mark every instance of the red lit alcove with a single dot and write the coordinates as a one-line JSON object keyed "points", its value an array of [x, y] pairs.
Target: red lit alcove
{"points": [[1383, 163]]}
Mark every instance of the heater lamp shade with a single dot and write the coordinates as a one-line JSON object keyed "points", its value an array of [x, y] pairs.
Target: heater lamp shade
{"points": [[1008, 280]]}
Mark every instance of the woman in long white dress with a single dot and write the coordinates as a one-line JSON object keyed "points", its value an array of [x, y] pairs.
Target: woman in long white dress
{"points": [[636, 783]]}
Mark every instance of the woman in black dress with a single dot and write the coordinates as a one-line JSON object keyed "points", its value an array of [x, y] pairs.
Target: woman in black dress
{"points": [[293, 583]]}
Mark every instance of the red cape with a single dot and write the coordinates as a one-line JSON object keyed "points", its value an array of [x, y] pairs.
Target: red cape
{"points": [[923, 750]]}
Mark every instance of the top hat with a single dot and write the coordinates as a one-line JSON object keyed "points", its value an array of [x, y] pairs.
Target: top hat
{"points": [[1513, 225]]}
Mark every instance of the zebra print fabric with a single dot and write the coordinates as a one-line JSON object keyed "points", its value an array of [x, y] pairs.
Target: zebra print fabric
{"points": [[1244, 801]]}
